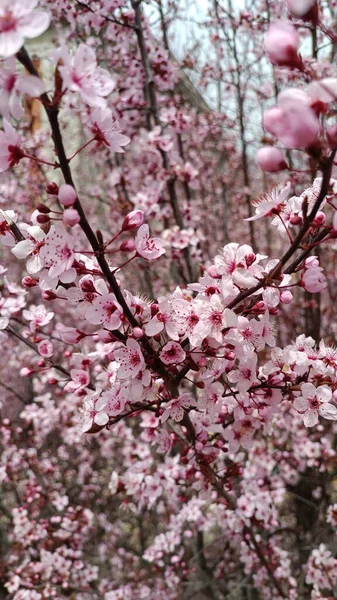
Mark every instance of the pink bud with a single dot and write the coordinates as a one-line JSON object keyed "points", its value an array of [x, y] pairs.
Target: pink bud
{"points": [[154, 308], [71, 217], [137, 333], [133, 220], [52, 189], [25, 372], [286, 297], [127, 246], [67, 195], [320, 219], [293, 121], [48, 295], [281, 43], [42, 219], [29, 282], [271, 159], [307, 10]]}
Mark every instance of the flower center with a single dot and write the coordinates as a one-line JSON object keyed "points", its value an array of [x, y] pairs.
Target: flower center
{"points": [[7, 23]]}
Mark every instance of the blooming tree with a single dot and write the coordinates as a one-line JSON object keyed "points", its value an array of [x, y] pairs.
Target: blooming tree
{"points": [[168, 423]]}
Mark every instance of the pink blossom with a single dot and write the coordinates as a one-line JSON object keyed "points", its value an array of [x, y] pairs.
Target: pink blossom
{"points": [[46, 348], [106, 130], [112, 402], [57, 251], [91, 413], [172, 353], [292, 121], [271, 203], [315, 402], [175, 408], [10, 151], [281, 43], [80, 73], [147, 247], [105, 310], [12, 86], [20, 20], [130, 358], [271, 159], [31, 246], [38, 315]]}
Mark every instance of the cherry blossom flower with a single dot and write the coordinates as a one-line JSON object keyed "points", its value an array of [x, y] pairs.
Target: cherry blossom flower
{"points": [[57, 251], [12, 86], [6, 236], [271, 203], [172, 314], [106, 130], [20, 20], [10, 151], [105, 310], [38, 315], [46, 348], [113, 402], [212, 399], [175, 407], [172, 353], [315, 402], [80, 379], [91, 413], [131, 359], [147, 247], [80, 73], [31, 246]]}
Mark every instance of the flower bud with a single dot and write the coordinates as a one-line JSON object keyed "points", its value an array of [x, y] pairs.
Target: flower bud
{"points": [[43, 209], [42, 219], [71, 217], [271, 160], [281, 43], [48, 295], [133, 220], [137, 333], [87, 286], [154, 309], [307, 10], [67, 195], [52, 189], [29, 282], [286, 297], [320, 219], [127, 246]]}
